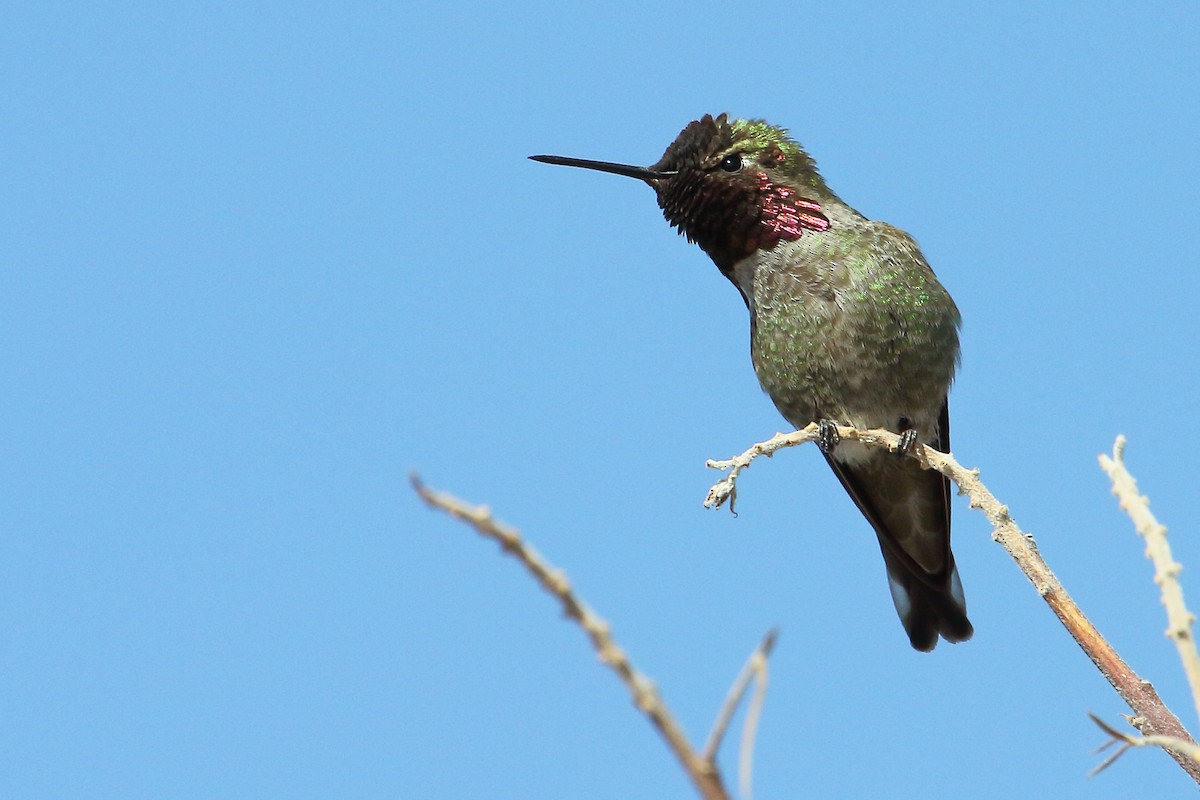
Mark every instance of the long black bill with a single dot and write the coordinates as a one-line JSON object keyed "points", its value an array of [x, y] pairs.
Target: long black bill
{"points": [[641, 173]]}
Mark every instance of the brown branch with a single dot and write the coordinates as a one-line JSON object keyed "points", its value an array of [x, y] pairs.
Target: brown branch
{"points": [[1152, 717], [1166, 569], [701, 769]]}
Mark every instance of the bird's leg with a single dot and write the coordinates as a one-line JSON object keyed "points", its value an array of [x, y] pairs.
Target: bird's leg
{"points": [[908, 437], [827, 435]]}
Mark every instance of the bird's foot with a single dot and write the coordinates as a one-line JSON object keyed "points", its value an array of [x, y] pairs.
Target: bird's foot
{"points": [[827, 436], [908, 439]]}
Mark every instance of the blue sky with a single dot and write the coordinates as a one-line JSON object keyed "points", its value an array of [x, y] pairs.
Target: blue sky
{"points": [[260, 261]]}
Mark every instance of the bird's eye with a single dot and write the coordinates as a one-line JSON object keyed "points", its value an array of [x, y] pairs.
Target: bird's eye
{"points": [[731, 162]]}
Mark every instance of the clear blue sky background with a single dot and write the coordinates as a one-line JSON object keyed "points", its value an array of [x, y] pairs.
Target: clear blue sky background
{"points": [[259, 261]]}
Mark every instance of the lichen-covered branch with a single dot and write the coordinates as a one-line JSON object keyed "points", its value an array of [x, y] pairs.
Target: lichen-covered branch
{"points": [[1166, 569], [1151, 716], [701, 769]]}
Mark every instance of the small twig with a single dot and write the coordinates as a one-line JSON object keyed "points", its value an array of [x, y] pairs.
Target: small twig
{"points": [[703, 772], [1152, 716], [1169, 743], [756, 670], [750, 727], [1166, 569], [726, 488]]}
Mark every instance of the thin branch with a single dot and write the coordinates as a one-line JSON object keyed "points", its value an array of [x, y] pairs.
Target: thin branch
{"points": [[750, 727], [702, 772], [1168, 743], [734, 696], [756, 670], [1152, 717], [1166, 569]]}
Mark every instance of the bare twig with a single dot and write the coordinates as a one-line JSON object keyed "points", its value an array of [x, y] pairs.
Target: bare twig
{"points": [[1168, 743], [701, 769], [1152, 717], [1166, 569], [750, 727], [756, 670]]}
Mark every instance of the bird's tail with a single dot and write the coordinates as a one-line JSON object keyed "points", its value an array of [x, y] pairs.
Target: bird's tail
{"points": [[927, 610], [909, 508]]}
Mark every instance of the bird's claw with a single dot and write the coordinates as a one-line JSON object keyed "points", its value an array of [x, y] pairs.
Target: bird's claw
{"points": [[827, 436], [908, 439]]}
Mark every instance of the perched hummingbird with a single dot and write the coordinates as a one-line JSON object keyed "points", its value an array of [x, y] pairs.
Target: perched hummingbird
{"points": [[848, 325]]}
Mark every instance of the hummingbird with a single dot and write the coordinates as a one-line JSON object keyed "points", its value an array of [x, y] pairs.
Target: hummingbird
{"points": [[848, 325]]}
